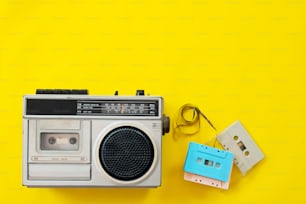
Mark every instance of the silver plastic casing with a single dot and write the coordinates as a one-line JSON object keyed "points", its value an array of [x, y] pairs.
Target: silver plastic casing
{"points": [[78, 166]]}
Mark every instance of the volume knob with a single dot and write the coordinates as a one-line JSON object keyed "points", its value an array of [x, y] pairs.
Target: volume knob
{"points": [[140, 93]]}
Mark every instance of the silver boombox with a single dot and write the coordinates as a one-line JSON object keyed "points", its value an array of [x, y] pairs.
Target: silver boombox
{"points": [[73, 139]]}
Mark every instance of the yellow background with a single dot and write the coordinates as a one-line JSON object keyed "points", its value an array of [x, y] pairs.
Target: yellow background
{"points": [[235, 59]]}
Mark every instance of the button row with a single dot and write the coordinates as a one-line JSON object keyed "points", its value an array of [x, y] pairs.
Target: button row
{"points": [[62, 91]]}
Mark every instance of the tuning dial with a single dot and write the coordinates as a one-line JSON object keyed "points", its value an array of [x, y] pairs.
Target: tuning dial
{"points": [[166, 124]]}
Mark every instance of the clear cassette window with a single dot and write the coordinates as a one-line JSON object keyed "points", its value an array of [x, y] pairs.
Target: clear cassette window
{"points": [[59, 141]]}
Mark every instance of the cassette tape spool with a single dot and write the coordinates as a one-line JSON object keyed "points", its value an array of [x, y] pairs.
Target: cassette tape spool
{"points": [[237, 140], [207, 165]]}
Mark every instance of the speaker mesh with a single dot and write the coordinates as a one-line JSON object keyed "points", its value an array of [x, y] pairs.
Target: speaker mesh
{"points": [[126, 153]]}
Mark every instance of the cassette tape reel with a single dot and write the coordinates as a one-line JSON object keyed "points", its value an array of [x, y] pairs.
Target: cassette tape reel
{"points": [[76, 140]]}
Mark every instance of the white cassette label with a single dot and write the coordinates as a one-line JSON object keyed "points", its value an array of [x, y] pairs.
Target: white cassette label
{"points": [[237, 140]]}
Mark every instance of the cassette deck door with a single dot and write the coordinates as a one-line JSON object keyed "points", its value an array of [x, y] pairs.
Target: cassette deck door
{"points": [[59, 141]]}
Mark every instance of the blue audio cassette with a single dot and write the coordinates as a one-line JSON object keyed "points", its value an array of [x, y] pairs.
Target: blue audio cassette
{"points": [[207, 165]]}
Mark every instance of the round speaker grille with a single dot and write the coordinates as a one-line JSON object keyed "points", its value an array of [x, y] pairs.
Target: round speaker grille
{"points": [[126, 153]]}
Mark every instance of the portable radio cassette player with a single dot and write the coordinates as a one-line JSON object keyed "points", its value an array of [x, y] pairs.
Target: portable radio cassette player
{"points": [[71, 139]]}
